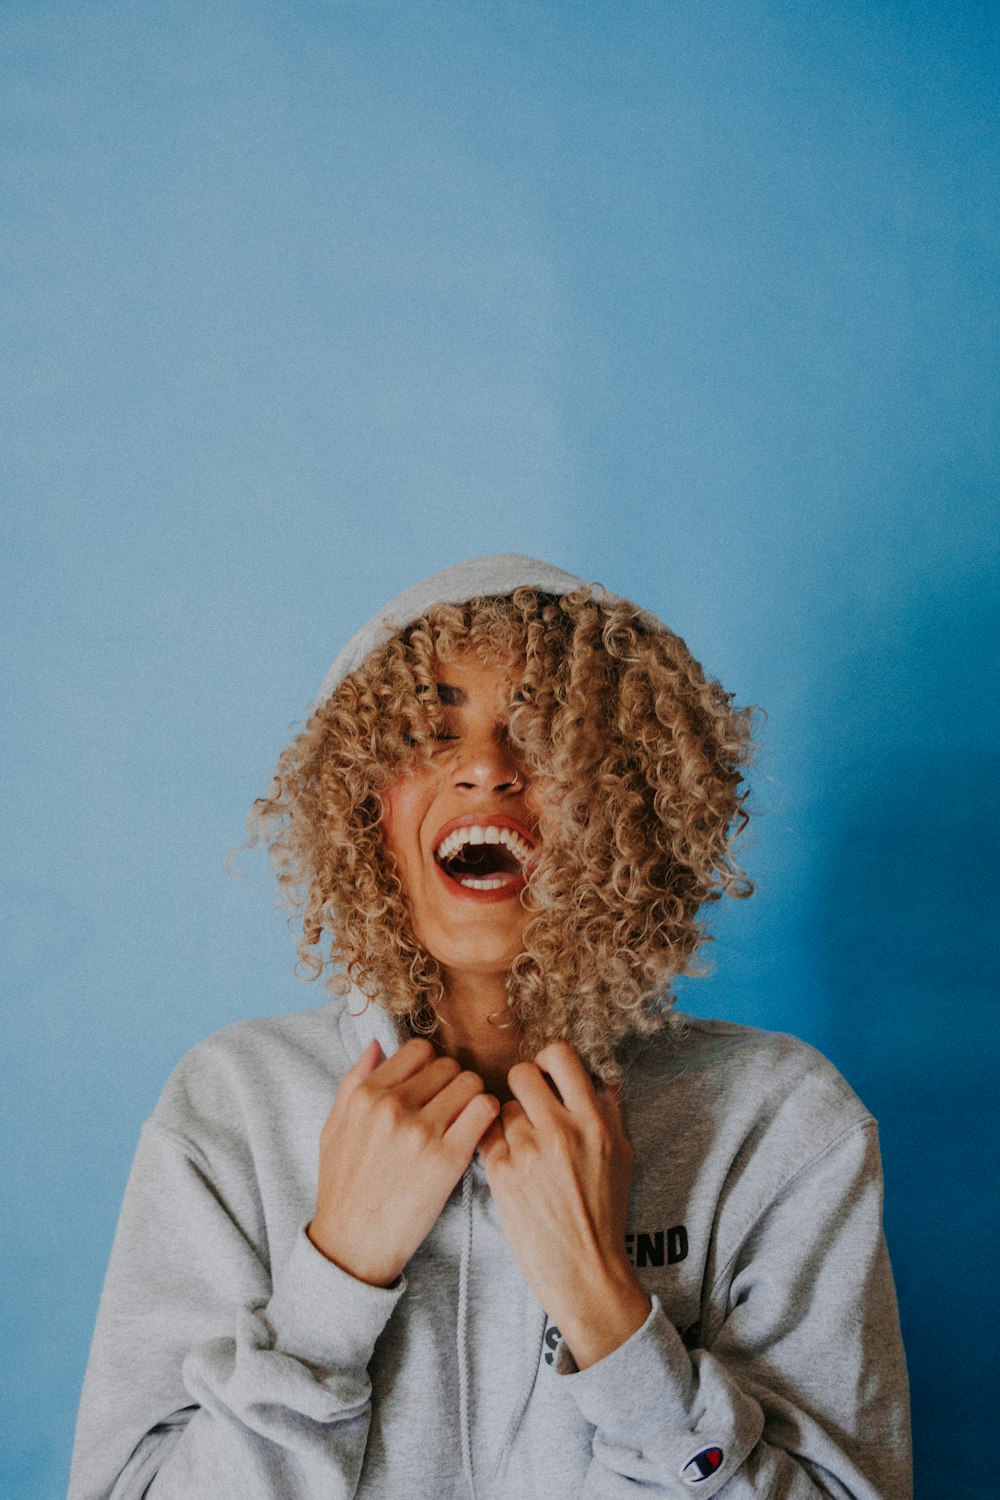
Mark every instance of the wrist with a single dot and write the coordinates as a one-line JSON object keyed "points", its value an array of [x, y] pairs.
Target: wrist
{"points": [[613, 1308], [375, 1276]]}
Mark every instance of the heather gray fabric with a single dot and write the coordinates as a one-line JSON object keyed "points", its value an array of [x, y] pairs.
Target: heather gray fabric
{"points": [[232, 1361], [497, 573]]}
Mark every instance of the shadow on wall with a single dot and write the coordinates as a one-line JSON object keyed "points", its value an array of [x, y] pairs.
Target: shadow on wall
{"points": [[907, 935]]}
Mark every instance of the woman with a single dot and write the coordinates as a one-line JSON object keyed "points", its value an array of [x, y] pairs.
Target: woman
{"points": [[497, 1221]]}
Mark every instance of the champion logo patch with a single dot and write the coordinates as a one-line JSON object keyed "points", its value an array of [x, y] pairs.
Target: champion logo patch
{"points": [[703, 1465]]}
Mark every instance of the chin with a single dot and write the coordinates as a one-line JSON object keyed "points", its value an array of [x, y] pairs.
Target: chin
{"points": [[476, 953], [481, 959]]}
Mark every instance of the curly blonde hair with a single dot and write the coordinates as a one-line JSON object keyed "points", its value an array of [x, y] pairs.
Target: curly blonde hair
{"points": [[638, 756]]}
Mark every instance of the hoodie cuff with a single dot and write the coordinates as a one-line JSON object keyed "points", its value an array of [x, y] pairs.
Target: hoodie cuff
{"points": [[648, 1352], [678, 1416], [324, 1316]]}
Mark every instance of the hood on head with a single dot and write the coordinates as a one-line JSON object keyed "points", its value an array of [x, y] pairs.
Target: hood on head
{"points": [[496, 573]]}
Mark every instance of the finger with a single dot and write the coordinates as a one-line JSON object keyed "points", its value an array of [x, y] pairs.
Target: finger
{"points": [[561, 1062], [360, 1069], [611, 1095], [609, 1101], [615, 1107], [463, 1135], [422, 1086], [516, 1122], [448, 1102], [367, 1062], [493, 1145], [534, 1098], [370, 1059], [414, 1054]]}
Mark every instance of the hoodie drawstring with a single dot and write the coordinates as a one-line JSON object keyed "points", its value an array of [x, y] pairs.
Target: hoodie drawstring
{"points": [[463, 1322], [519, 1410]]}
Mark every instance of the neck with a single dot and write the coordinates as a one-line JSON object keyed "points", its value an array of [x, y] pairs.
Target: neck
{"points": [[471, 1038]]}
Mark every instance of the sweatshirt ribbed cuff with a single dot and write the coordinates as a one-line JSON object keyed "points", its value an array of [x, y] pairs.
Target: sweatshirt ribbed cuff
{"points": [[649, 1351], [679, 1407], [322, 1314]]}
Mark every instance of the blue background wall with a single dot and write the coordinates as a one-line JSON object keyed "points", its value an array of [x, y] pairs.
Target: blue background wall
{"points": [[304, 301]]}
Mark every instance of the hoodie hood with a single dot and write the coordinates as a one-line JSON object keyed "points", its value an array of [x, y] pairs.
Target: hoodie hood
{"points": [[496, 573]]}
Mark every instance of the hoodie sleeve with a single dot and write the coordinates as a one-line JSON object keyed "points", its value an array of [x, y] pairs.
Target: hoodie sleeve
{"points": [[205, 1379], [801, 1393]]}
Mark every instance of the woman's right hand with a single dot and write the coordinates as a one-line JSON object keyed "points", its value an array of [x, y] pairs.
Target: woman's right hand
{"points": [[400, 1134]]}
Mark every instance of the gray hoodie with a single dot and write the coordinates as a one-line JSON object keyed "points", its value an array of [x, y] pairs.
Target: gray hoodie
{"points": [[232, 1359]]}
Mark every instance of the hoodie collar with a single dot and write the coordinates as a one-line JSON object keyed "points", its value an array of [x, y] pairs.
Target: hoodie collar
{"points": [[361, 1021]]}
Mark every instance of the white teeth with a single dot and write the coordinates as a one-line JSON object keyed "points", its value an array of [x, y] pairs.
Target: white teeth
{"points": [[487, 885], [484, 834]]}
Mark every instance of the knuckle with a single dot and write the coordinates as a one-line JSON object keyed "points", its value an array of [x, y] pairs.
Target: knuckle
{"points": [[416, 1130], [348, 1085], [562, 1145], [595, 1133], [386, 1109], [476, 1114], [365, 1095]]}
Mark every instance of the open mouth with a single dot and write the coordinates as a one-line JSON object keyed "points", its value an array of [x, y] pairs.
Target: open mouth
{"points": [[484, 860]]}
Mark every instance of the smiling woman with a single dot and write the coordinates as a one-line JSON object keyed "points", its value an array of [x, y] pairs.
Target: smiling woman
{"points": [[589, 720], [512, 799]]}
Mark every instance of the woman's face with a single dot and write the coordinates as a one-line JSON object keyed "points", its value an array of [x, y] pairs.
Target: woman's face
{"points": [[463, 896]]}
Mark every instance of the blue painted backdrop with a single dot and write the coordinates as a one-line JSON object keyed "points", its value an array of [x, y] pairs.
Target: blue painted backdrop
{"points": [[304, 301]]}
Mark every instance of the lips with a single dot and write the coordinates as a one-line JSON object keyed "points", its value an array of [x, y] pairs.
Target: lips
{"points": [[483, 857]]}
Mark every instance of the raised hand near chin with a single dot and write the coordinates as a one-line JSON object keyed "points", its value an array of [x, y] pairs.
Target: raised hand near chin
{"points": [[400, 1134], [560, 1169]]}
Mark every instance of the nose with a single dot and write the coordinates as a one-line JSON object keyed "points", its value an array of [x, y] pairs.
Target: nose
{"points": [[485, 762]]}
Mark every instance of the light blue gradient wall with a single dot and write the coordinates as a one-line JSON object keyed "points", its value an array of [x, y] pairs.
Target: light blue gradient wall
{"points": [[304, 301]]}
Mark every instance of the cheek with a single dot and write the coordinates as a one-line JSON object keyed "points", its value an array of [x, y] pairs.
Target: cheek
{"points": [[405, 802]]}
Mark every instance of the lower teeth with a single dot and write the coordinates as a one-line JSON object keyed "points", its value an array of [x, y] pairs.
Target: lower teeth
{"points": [[487, 885]]}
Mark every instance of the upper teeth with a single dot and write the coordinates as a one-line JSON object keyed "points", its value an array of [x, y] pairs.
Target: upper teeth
{"points": [[484, 835]]}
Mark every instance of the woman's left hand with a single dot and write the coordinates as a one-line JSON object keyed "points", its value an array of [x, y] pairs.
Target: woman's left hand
{"points": [[560, 1172]]}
